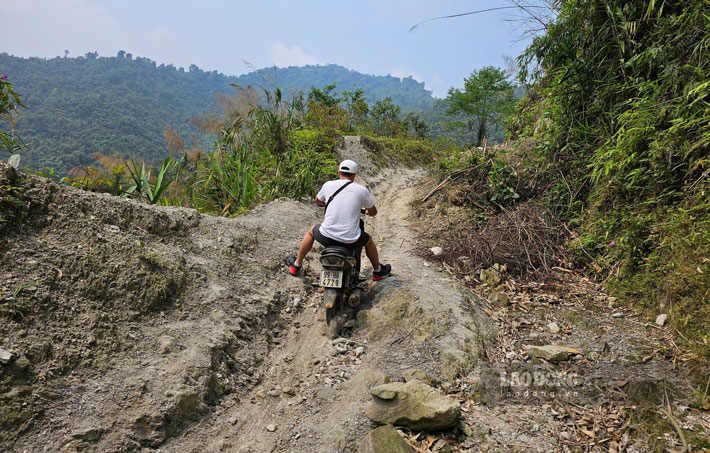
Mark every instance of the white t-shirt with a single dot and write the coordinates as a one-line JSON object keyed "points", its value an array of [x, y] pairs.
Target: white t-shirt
{"points": [[342, 219]]}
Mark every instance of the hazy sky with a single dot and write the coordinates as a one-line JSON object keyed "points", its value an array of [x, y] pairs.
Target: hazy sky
{"points": [[366, 35]]}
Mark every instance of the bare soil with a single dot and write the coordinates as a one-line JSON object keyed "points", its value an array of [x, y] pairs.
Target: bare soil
{"points": [[140, 328]]}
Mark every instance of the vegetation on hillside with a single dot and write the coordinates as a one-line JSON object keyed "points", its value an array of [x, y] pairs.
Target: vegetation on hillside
{"points": [[611, 144], [620, 116], [9, 102], [264, 148], [80, 106]]}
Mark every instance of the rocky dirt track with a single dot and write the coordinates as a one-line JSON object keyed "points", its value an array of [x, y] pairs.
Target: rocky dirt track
{"points": [[141, 328], [149, 327]]}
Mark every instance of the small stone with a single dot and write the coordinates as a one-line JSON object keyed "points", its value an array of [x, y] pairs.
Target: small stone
{"points": [[6, 356], [271, 427], [296, 302], [617, 315], [88, 434], [22, 364], [661, 319], [412, 373], [498, 299], [491, 277], [468, 432], [166, 344], [550, 352], [273, 393], [289, 391], [564, 435], [384, 439], [510, 355], [359, 351], [437, 251], [553, 327], [341, 349]]}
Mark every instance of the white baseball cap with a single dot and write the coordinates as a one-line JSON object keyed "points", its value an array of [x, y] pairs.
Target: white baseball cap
{"points": [[348, 166]]}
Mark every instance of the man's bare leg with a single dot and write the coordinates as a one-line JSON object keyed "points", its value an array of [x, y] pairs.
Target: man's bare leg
{"points": [[306, 246], [371, 252]]}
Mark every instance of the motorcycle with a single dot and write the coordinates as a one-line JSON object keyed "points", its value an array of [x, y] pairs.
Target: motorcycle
{"points": [[342, 286]]}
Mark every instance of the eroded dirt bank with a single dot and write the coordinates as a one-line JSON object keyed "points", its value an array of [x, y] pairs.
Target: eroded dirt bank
{"points": [[140, 328]]}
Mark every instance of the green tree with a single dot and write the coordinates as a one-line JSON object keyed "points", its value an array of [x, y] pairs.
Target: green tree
{"points": [[324, 97], [356, 105], [9, 101], [416, 124], [385, 118], [486, 99]]}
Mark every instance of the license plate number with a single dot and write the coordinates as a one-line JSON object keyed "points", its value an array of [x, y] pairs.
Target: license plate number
{"points": [[331, 279]]}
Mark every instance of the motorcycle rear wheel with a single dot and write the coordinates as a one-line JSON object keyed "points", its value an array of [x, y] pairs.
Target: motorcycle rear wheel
{"points": [[331, 320]]}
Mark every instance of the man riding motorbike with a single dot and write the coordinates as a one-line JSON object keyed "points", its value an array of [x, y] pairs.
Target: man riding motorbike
{"points": [[342, 199]]}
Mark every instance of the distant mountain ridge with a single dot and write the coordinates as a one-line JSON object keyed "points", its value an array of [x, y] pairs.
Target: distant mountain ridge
{"points": [[79, 106]]}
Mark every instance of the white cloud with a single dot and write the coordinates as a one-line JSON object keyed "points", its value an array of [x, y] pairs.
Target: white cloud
{"points": [[282, 56]]}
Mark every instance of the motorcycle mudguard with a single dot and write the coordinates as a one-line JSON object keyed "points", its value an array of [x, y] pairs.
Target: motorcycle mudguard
{"points": [[330, 295]]}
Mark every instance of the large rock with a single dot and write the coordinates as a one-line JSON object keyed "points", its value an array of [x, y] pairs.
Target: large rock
{"points": [[384, 439], [550, 352], [413, 404]]}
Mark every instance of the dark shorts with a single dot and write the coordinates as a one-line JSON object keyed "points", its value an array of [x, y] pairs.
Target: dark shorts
{"points": [[328, 242]]}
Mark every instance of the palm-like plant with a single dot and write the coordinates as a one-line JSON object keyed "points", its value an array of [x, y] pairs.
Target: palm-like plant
{"points": [[143, 188]]}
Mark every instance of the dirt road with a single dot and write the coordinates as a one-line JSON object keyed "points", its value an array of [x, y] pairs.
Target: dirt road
{"points": [[313, 392], [159, 328]]}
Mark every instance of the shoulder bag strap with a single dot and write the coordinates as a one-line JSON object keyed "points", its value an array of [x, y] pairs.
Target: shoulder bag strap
{"points": [[336, 193]]}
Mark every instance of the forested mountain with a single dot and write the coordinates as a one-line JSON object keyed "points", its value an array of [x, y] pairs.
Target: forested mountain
{"points": [[79, 106]]}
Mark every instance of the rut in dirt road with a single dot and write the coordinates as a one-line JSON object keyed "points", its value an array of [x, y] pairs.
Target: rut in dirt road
{"points": [[314, 391]]}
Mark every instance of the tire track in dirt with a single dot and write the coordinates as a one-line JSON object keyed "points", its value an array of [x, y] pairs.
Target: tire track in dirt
{"points": [[313, 392]]}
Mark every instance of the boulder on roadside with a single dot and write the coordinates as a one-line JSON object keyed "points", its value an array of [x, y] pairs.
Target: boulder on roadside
{"points": [[413, 404], [384, 439], [549, 352]]}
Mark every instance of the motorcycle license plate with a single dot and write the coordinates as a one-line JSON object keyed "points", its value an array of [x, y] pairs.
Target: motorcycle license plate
{"points": [[331, 279]]}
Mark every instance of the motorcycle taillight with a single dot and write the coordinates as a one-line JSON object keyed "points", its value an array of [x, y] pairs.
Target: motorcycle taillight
{"points": [[332, 261]]}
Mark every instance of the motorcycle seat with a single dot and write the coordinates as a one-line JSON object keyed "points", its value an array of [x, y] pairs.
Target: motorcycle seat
{"points": [[337, 250]]}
